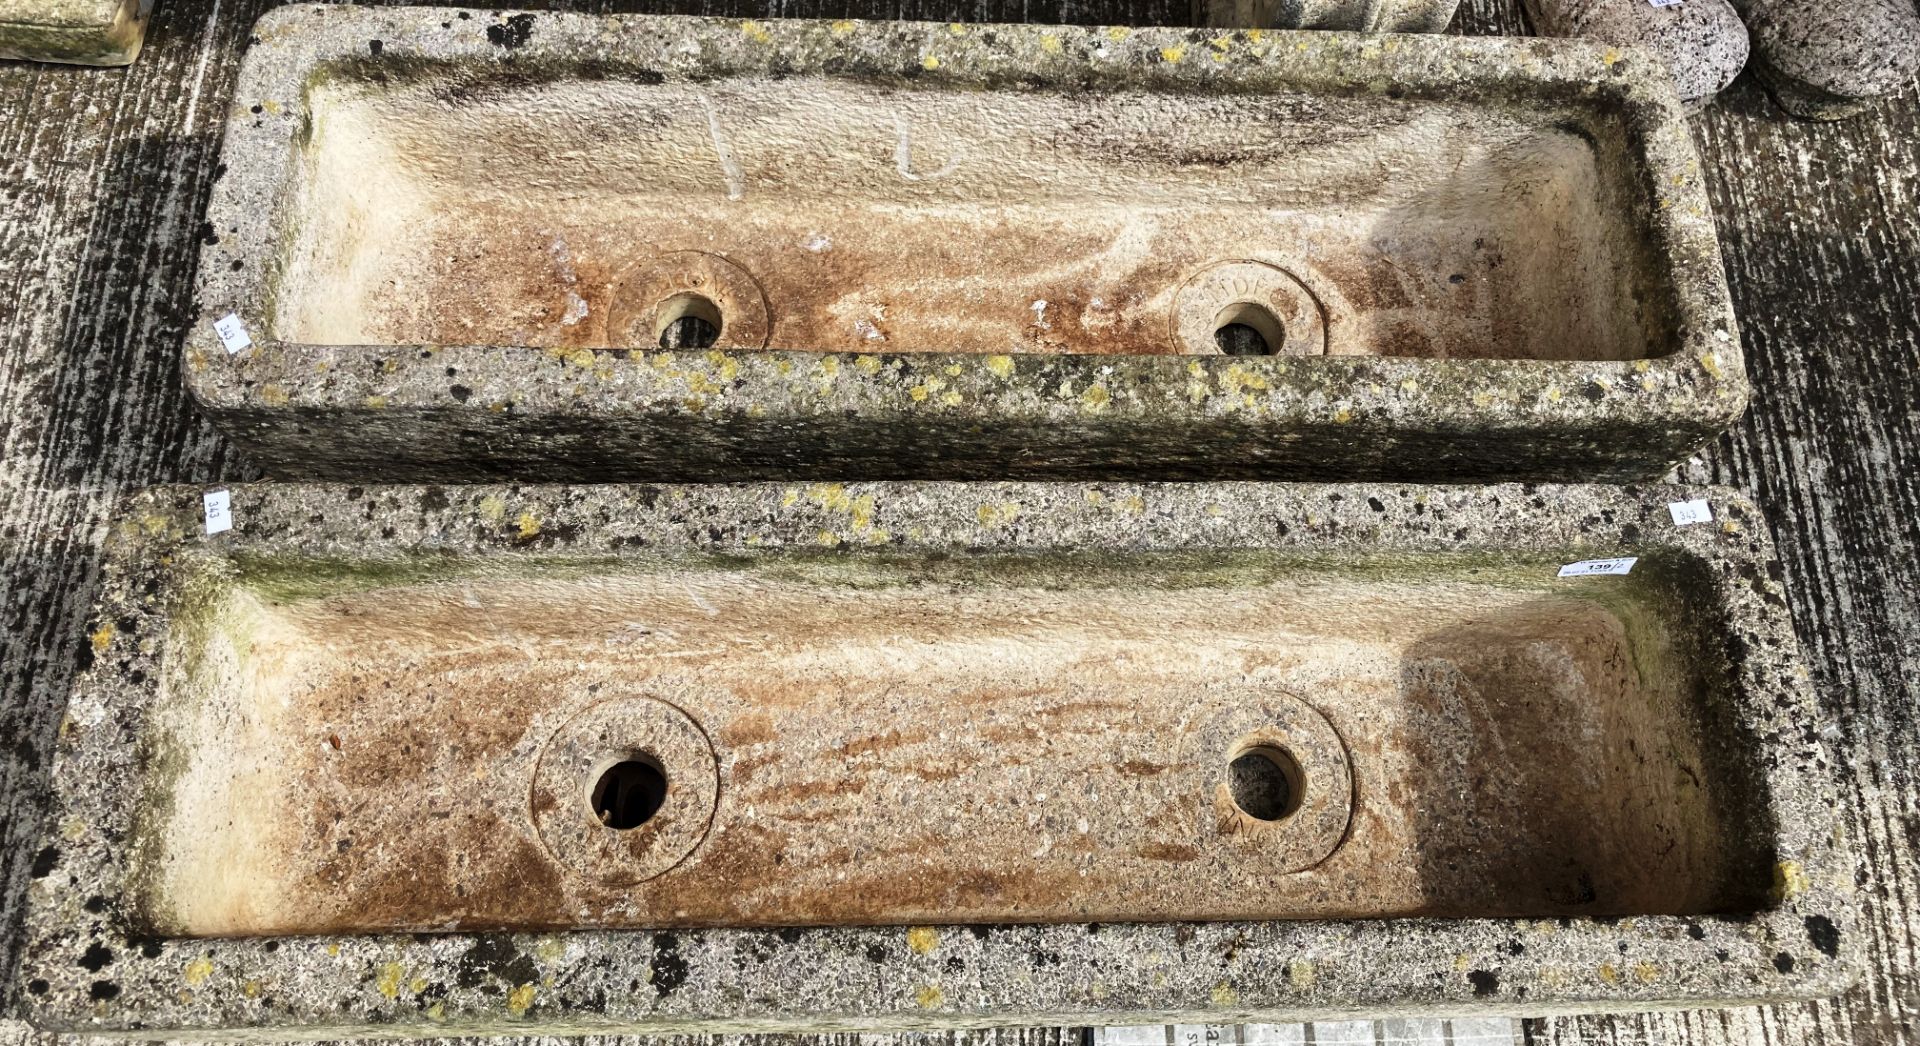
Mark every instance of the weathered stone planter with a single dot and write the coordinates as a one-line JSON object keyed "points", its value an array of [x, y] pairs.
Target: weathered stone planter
{"points": [[423, 759], [457, 240], [80, 32]]}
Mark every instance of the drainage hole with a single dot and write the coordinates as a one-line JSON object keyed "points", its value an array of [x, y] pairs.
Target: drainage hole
{"points": [[629, 793], [1246, 329], [688, 321], [1266, 782]]}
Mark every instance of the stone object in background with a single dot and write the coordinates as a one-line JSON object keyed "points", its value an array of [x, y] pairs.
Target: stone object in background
{"points": [[1825, 60], [1702, 42], [952, 251], [742, 757], [80, 32], [1371, 16]]}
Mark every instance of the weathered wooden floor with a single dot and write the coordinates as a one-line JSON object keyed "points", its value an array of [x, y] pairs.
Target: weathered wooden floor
{"points": [[103, 175]]}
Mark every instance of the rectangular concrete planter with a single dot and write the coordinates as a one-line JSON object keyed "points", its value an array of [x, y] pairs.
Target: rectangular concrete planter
{"points": [[483, 759], [447, 244], [79, 32]]}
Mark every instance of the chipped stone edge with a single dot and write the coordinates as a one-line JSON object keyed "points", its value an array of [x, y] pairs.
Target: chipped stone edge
{"points": [[391, 412], [85, 970]]}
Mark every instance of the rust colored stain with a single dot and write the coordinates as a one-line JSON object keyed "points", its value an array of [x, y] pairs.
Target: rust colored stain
{"points": [[909, 755]]}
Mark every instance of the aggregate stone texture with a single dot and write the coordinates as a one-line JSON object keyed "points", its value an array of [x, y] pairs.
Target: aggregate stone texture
{"points": [[80, 32], [1702, 42], [1829, 61], [115, 943], [1492, 258]]}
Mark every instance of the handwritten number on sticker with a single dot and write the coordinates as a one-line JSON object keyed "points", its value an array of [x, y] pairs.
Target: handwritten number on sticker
{"points": [[1595, 567], [233, 333], [219, 510], [1689, 512]]}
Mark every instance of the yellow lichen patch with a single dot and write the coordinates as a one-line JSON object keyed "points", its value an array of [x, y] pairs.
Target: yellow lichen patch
{"points": [[999, 515], [102, 637], [375, 402], [529, 526], [1224, 995], [954, 370], [868, 364], [1220, 43], [74, 829], [550, 949], [951, 399], [1730, 527], [388, 983], [1554, 395], [197, 971], [274, 396], [827, 538], [1462, 962], [957, 28], [1135, 505], [1300, 974], [862, 512], [1789, 881], [271, 106], [1001, 366], [830, 496], [1117, 33], [252, 988], [520, 1000], [1711, 364], [1095, 399], [1342, 416], [724, 364], [1050, 43], [843, 27], [334, 949], [1094, 497], [929, 62], [755, 31], [829, 367], [929, 996], [437, 1012], [1646, 972], [417, 985], [1612, 57], [923, 939], [1172, 54], [1641, 366], [1609, 973]]}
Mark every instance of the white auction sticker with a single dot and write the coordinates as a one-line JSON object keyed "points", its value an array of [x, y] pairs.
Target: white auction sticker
{"points": [[1687, 512], [219, 507], [233, 333], [1665, 3], [1593, 567]]}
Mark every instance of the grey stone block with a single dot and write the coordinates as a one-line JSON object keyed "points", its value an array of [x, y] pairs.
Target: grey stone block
{"points": [[1826, 61], [299, 791], [1702, 42], [458, 241]]}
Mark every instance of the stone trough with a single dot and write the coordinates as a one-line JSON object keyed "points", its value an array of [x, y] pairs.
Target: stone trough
{"points": [[461, 245], [557, 759]]}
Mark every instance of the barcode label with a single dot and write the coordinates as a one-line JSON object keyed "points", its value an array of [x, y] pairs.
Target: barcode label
{"points": [[1593, 567]]}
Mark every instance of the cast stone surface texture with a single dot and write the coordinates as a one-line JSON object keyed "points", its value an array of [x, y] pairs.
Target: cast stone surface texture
{"points": [[105, 176]]}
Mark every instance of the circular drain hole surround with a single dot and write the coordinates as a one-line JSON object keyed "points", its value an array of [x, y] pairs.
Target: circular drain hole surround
{"points": [[628, 793], [1266, 782], [625, 790], [1273, 780], [687, 300], [1247, 308]]}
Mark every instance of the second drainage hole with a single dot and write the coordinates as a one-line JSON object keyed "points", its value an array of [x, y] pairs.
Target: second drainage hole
{"points": [[688, 321], [1266, 782], [629, 793]]}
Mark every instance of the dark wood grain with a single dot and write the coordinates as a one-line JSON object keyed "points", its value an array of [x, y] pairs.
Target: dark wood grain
{"points": [[103, 174]]}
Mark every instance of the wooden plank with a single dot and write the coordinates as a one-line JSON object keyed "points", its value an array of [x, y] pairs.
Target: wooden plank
{"points": [[103, 174]]}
